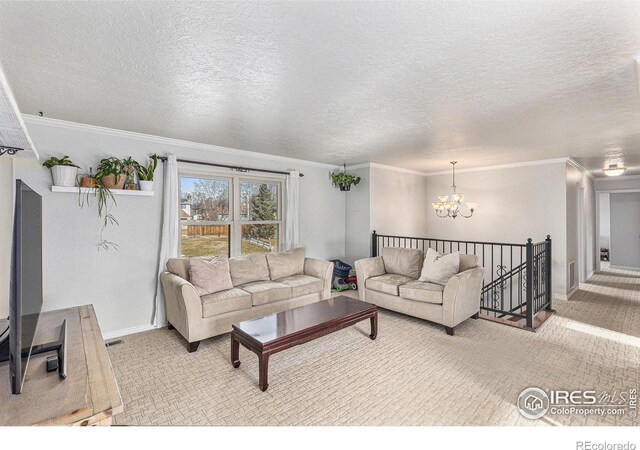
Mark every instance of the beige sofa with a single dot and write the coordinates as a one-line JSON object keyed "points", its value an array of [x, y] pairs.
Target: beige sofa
{"points": [[263, 284], [391, 281]]}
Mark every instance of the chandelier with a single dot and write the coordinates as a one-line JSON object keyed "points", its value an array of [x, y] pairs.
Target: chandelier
{"points": [[451, 205]]}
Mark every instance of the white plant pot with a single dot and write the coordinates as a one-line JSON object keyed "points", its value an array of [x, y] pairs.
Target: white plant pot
{"points": [[146, 185], [64, 175]]}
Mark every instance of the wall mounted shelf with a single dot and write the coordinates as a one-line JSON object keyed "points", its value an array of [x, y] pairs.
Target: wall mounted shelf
{"points": [[74, 190]]}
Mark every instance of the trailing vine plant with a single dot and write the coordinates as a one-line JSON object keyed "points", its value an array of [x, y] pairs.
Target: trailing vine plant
{"points": [[105, 200]]}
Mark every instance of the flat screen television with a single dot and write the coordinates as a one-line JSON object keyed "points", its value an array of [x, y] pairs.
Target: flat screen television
{"points": [[25, 286]]}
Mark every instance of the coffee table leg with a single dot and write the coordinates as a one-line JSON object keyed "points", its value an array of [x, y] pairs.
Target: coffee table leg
{"points": [[374, 326], [235, 351], [263, 360]]}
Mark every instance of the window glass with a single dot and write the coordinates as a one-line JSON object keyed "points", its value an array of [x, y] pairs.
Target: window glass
{"points": [[204, 240], [260, 238], [259, 201], [211, 223], [204, 199]]}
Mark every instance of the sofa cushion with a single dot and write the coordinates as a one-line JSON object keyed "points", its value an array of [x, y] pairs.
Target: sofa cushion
{"points": [[210, 276], [438, 268], [387, 283], [285, 264], [225, 301], [467, 262], [180, 267], [248, 268], [263, 292], [422, 292], [302, 284], [402, 261]]}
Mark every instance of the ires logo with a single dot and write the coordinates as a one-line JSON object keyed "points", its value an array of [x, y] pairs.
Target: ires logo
{"points": [[573, 397], [534, 403]]}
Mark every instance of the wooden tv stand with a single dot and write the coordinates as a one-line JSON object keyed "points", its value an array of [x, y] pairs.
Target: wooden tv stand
{"points": [[88, 396]]}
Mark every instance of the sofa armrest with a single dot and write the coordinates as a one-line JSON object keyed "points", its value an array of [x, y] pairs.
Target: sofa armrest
{"points": [[183, 305], [461, 296], [320, 269], [365, 269]]}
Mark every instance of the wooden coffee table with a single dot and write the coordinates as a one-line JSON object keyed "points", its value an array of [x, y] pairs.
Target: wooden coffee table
{"points": [[277, 332]]}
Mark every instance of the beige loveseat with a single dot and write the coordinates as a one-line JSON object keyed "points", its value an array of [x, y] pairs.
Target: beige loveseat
{"points": [[391, 281], [263, 284]]}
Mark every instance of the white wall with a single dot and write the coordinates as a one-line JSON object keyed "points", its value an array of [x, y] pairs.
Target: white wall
{"points": [[121, 284], [6, 225], [617, 183], [388, 200], [398, 202], [605, 220], [578, 178], [514, 204], [358, 218]]}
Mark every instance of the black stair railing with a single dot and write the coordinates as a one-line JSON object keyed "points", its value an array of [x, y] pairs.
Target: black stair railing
{"points": [[517, 280]]}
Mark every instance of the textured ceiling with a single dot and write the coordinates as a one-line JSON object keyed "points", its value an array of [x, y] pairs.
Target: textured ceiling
{"points": [[406, 84]]}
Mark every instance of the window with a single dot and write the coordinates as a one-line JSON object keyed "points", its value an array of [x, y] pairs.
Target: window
{"points": [[230, 215], [260, 215]]}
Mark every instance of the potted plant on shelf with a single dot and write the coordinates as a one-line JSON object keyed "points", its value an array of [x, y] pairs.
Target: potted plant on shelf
{"points": [[344, 180], [63, 171], [111, 173], [130, 181], [146, 173]]}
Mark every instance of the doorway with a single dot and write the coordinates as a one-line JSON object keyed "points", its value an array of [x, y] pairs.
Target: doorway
{"points": [[625, 230], [604, 233]]}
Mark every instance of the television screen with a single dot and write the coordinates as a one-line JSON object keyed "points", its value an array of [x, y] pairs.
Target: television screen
{"points": [[26, 281]]}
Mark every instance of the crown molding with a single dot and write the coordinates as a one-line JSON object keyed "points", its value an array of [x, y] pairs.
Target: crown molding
{"points": [[580, 167], [539, 162], [397, 169], [385, 167], [621, 177], [58, 123], [358, 166]]}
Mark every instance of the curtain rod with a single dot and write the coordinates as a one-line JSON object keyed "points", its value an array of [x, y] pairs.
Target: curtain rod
{"points": [[237, 168]]}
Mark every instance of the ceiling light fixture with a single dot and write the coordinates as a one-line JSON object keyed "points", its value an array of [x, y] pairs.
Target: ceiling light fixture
{"points": [[613, 170], [450, 206]]}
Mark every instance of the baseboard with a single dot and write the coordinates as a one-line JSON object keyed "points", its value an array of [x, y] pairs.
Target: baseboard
{"points": [[131, 330], [590, 275], [634, 269], [567, 296]]}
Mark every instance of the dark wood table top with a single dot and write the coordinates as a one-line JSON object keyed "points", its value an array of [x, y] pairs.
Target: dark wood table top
{"points": [[271, 328]]}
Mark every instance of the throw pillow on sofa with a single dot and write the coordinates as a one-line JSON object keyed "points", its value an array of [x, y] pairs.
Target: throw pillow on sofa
{"points": [[209, 277], [286, 264], [438, 268]]}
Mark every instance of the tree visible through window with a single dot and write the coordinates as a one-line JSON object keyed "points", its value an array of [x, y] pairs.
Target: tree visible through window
{"points": [[260, 207], [214, 220]]}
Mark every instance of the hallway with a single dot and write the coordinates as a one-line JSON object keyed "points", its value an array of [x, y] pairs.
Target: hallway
{"points": [[608, 301]]}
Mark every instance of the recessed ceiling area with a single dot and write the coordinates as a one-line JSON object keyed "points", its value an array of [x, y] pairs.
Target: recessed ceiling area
{"points": [[407, 84]]}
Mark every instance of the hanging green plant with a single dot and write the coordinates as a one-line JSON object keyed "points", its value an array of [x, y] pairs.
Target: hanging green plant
{"points": [[344, 180], [111, 175], [104, 202]]}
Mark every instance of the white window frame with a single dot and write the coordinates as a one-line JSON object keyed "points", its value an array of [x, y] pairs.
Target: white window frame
{"points": [[235, 247], [280, 222]]}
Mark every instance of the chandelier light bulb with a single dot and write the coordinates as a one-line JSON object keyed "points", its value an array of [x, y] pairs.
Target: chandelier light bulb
{"points": [[613, 170]]}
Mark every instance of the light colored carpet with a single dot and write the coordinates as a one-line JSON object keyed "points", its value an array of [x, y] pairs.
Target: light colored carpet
{"points": [[413, 374]]}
